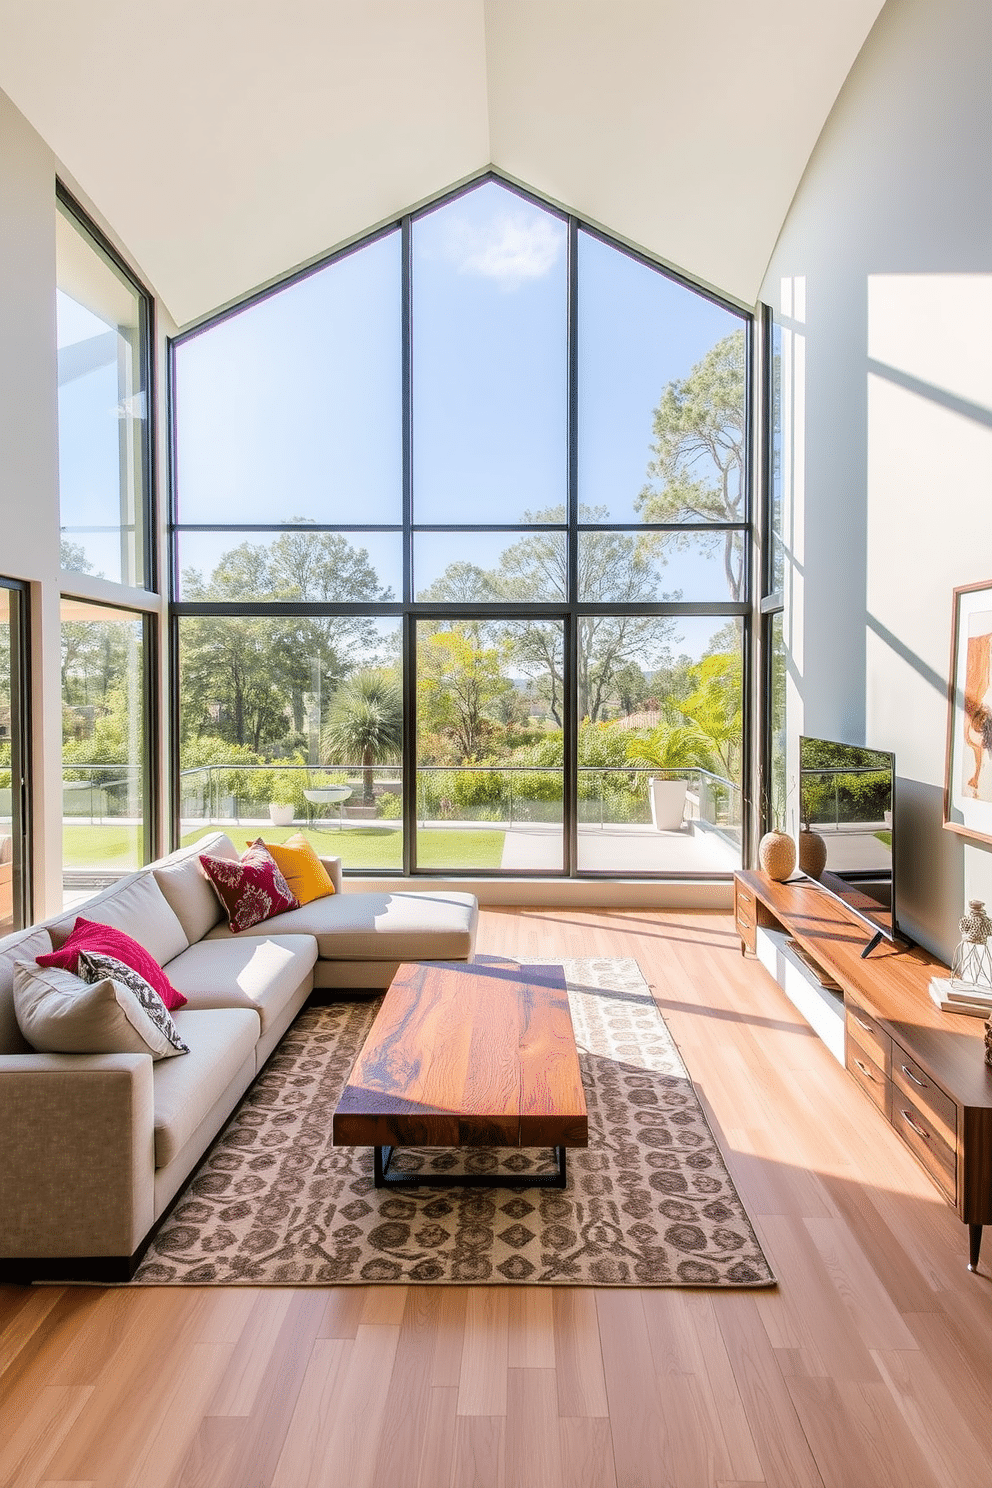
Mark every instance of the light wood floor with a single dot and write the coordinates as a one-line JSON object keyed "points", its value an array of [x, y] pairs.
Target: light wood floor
{"points": [[870, 1364]]}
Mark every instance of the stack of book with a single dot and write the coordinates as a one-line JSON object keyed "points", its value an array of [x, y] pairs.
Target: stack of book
{"points": [[952, 996]]}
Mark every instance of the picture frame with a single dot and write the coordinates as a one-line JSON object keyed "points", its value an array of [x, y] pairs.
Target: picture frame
{"points": [[968, 774]]}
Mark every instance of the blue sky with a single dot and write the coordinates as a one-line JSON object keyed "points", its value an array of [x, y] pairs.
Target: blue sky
{"points": [[293, 408]]}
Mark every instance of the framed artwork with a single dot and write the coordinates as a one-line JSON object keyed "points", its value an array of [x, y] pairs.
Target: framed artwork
{"points": [[968, 783]]}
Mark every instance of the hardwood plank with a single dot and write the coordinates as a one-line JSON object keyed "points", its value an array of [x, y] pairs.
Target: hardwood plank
{"points": [[779, 1439], [23, 1312], [587, 1452], [249, 1363], [405, 1424], [345, 1451], [311, 1421], [631, 1387], [28, 1451], [858, 1436], [533, 1437], [482, 1379], [859, 1287], [449, 1339], [437, 1454], [480, 1452], [531, 1327], [926, 1407], [578, 1354]]}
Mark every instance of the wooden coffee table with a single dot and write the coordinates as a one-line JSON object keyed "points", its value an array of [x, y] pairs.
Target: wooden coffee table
{"points": [[467, 1054]]}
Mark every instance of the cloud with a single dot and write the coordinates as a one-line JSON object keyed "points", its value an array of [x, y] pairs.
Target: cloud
{"points": [[511, 248]]}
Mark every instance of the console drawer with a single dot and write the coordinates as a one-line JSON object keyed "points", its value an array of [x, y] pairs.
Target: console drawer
{"points": [[864, 1031], [745, 915], [869, 1076], [918, 1131], [939, 1109]]}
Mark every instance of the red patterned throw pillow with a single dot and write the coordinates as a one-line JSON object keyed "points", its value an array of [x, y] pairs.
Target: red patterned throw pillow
{"points": [[250, 888], [88, 935]]}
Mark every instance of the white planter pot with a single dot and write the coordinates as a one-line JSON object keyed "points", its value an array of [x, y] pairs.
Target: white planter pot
{"points": [[281, 814], [667, 799]]}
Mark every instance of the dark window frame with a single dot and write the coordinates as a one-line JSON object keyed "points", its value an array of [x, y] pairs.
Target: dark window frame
{"points": [[569, 611]]}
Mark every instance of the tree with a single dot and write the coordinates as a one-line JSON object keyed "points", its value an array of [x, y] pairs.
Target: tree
{"points": [[247, 679], [614, 568], [696, 473], [672, 746], [460, 684], [365, 723]]}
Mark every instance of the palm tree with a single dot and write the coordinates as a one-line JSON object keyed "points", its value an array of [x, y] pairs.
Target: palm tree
{"points": [[366, 723], [672, 746]]}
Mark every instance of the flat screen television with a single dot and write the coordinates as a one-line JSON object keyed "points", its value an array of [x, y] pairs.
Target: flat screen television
{"points": [[847, 796]]}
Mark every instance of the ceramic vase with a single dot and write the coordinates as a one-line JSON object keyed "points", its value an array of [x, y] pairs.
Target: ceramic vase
{"points": [[777, 855], [812, 852]]}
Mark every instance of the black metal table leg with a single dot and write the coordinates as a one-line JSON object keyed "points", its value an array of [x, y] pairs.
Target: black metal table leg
{"points": [[382, 1177]]}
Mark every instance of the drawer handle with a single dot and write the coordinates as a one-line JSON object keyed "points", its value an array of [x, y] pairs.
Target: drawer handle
{"points": [[918, 1129], [866, 1071], [862, 1024], [743, 923], [910, 1076]]}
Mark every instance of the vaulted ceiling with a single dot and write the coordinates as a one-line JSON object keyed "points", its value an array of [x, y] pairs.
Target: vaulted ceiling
{"points": [[227, 141]]}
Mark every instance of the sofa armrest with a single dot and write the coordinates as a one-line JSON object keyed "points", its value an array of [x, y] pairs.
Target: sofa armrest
{"points": [[333, 866], [77, 1154]]}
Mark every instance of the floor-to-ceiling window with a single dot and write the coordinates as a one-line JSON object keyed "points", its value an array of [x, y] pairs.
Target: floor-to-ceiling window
{"points": [[15, 796], [461, 530], [103, 318]]}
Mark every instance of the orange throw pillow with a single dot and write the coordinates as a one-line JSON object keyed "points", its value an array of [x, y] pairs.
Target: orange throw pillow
{"points": [[301, 868]]}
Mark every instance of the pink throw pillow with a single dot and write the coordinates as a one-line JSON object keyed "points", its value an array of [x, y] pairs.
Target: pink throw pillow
{"points": [[88, 935], [251, 889]]}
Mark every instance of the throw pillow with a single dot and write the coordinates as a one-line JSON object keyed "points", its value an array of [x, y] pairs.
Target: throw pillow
{"points": [[251, 889], [59, 1013], [300, 866], [88, 935], [138, 1000]]}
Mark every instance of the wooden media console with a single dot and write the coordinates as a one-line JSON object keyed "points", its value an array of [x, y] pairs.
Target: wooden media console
{"points": [[924, 1070]]}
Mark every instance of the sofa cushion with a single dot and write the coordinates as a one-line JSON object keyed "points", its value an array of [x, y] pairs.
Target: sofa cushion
{"points": [[300, 866], [137, 906], [23, 945], [260, 972], [190, 894], [93, 935], [60, 1013], [221, 1041], [422, 925], [251, 889]]}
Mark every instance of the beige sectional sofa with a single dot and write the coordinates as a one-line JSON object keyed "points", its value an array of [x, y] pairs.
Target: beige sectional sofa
{"points": [[95, 1147]]}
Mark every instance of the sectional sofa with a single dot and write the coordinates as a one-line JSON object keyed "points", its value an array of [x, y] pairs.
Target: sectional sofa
{"points": [[95, 1147]]}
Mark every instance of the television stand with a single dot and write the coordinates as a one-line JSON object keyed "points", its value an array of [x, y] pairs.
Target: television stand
{"points": [[923, 1070]]}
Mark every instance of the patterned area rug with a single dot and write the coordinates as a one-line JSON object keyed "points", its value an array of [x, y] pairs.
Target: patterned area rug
{"points": [[648, 1203]]}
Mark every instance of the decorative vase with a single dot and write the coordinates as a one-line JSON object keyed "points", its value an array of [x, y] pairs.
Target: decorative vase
{"points": [[777, 855], [812, 852], [281, 813], [972, 958]]}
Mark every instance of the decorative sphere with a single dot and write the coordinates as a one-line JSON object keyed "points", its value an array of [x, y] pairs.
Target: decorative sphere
{"points": [[812, 853], [777, 855]]}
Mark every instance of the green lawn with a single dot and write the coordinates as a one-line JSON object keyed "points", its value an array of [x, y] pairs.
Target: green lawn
{"points": [[118, 845], [381, 847]]}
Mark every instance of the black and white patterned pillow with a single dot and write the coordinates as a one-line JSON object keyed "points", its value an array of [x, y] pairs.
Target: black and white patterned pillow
{"points": [[138, 1001]]}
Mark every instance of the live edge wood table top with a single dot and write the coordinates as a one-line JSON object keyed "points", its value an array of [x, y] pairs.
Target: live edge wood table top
{"points": [[467, 1054]]}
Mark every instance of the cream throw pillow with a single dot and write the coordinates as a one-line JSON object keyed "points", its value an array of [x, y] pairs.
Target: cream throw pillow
{"points": [[60, 1013]]}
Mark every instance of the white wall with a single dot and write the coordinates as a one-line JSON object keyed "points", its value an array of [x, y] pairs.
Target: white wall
{"points": [[29, 477], [882, 281]]}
